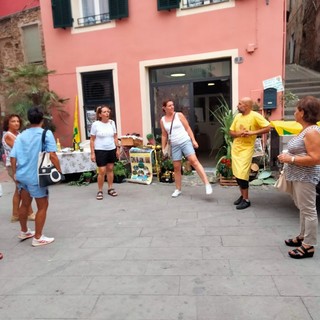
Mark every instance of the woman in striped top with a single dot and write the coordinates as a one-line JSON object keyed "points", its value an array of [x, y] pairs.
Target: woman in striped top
{"points": [[302, 167]]}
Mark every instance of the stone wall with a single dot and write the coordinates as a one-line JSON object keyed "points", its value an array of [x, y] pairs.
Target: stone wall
{"points": [[11, 42], [303, 33]]}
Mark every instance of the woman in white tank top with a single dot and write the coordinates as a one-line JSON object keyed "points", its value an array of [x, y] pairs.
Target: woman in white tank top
{"points": [[11, 127], [183, 142]]}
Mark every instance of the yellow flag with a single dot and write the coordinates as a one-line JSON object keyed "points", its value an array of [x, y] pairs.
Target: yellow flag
{"points": [[287, 128], [76, 132]]}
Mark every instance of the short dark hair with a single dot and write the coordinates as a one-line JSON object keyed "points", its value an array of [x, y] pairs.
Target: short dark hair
{"points": [[7, 120], [35, 115], [311, 109]]}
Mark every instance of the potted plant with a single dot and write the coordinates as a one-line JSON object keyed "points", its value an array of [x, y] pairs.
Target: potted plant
{"points": [[151, 140], [120, 171], [86, 176], [225, 118], [167, 174]]}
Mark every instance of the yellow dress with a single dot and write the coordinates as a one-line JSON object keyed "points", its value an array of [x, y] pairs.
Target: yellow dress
{"points": [[243, 147]]}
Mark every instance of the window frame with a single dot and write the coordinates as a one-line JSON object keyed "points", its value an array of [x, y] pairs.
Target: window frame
{"points": [[30, 57]]}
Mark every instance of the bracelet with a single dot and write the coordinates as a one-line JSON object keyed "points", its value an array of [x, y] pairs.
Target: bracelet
{"points": [[293, 159]]}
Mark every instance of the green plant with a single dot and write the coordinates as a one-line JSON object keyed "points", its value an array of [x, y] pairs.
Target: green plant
{"points": [[224, 167], [224, 116], [26, 86], [167, 165], [84, 179], [289, 98], [119, 169]]}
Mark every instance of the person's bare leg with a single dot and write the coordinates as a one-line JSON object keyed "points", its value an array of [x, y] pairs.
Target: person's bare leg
{"points": [[245, 193], [30, 210], [198, 167], [23, 210], [42, 206], [15, 203], [109, 170], [177, 174], [101, 177]]}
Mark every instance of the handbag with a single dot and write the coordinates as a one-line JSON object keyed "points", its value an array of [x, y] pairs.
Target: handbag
{"points": [[167, 151], [284, 185], [47, 172]]}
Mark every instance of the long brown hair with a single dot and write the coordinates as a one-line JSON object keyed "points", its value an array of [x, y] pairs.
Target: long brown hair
{"points": [[7, 120]]}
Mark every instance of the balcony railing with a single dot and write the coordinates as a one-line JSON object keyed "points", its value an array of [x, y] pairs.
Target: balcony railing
{"points": [[94, 19], [198, 3]]}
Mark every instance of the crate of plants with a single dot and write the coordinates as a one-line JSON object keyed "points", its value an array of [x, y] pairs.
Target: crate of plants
{"points": [[131, 141], [227, 182]]}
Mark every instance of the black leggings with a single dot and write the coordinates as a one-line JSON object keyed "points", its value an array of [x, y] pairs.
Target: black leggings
{"points": [[243, 184]]}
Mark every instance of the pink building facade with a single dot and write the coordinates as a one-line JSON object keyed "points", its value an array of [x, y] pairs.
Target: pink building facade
{"points": [[191, 54], [8, 7]]}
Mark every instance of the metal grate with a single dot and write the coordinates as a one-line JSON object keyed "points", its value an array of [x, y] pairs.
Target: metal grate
{"points": [[94, 19]]}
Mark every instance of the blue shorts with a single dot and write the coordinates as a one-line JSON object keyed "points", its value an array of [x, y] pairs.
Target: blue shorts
{"points": [[34, 190], [185, 148]]}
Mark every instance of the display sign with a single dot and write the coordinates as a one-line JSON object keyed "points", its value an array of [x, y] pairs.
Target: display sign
{"points": [[275, 82], [141, 165]]}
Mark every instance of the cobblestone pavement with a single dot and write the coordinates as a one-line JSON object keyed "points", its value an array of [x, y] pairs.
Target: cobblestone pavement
{"points": [[146, 256]]}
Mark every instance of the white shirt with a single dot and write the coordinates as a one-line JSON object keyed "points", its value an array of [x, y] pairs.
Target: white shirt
{"points": [[104, 133]]}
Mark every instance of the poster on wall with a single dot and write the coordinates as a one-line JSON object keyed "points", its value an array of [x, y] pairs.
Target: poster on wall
{"points": [[141, 165], [90, 118]]}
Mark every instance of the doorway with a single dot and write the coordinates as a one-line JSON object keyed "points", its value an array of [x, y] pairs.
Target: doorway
{"points": [[196, 90]]}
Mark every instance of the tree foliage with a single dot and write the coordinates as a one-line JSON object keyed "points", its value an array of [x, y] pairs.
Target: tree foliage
{"points": [[26, 86]]}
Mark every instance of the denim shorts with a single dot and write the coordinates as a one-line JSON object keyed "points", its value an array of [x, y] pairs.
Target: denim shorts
{"points": [[34, 190], [185, 148]]}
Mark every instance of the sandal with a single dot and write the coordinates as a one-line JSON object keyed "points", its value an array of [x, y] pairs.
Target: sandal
{"points": [[295, 242], [100, 195], [301, 253], [112, 193]]}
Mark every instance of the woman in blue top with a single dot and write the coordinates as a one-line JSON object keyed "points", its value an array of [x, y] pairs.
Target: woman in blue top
{"points": [[302, 167]]}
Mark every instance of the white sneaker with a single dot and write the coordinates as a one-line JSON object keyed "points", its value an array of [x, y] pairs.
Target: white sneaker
{"points": [[176, 193], [208, 189], [42, 241], [26, 235]]}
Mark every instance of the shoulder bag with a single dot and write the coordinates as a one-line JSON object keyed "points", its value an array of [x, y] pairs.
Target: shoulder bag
{"points": [[284, 185], [47, 172], [167, 151]]}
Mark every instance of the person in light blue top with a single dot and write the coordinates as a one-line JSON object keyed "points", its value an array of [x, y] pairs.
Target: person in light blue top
{"points": [[24, 163]]}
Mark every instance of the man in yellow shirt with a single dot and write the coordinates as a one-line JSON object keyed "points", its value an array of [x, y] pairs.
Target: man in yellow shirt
{"points": [[244, 130]]}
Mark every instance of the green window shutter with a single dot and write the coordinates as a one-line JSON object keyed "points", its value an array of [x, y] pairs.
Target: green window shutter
{"points": [[168, 4], [61, 12], [118, 9]]}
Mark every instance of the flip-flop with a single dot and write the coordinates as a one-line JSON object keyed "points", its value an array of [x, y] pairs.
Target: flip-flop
{"points": [[112, 193]]}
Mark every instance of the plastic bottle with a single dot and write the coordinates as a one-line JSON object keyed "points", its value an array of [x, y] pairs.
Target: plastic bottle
{"points": [[58, 146]]}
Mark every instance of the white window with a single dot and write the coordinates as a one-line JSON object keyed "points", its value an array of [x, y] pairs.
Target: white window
{"points": [[32, 43], [93, 12], [197, 3]]}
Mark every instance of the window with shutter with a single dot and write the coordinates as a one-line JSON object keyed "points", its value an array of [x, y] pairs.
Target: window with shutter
{"points": [[118, 9], [168, 4], [32, 43], [61, 12], [97, 89]]}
